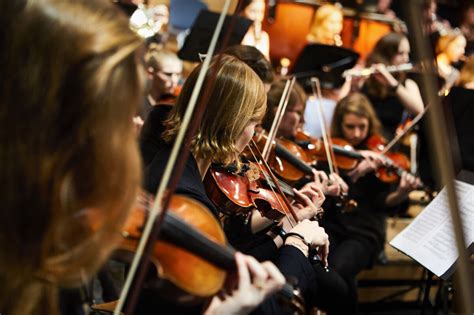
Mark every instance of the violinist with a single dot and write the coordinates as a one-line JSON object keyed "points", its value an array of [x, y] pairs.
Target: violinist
{"points": [[238, 100], [391, 94], [150, 135], [291, 123], [357, 236], [69, 155], [164, 70], [329, 288]]}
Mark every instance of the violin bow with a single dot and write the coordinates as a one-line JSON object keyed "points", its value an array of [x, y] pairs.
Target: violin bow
{"points": [[285, 97], [289, 212], [316, 87], [174, 166], [442, 93], [443, 158]]}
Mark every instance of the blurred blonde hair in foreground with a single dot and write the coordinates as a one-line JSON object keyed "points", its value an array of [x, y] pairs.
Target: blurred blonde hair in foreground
{"points": [[70, 164]]}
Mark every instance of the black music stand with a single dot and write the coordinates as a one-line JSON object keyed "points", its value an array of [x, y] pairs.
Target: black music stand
{"points": [[203, 27], [324, 62]]}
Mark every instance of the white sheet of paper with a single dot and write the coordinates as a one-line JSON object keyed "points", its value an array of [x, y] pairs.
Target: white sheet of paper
{"points": [[430, 239]]}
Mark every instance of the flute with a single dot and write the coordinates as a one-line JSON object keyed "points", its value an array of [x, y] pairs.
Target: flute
{"points": [[365, 72]]}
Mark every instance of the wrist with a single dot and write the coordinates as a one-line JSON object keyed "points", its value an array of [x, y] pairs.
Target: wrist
{"points": [[303, 239], [298, 243], [394, 87]]}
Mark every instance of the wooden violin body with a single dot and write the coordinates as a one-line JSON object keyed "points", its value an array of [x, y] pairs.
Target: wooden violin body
{"points": [[398, 161], [316, 150], [240, 193], [287, 159], [192, 257], [192, 277]]}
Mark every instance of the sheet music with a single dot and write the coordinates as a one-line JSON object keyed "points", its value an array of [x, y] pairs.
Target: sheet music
{"points": [[430, 239]]}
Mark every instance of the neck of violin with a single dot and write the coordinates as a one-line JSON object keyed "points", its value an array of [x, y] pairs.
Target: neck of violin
{"points": [[349, 153], [293, 160], [177, 232]]}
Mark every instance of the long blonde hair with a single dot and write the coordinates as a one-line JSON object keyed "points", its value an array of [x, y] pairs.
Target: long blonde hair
{"points": [[70, 164], [318, 32], [237, 99]]}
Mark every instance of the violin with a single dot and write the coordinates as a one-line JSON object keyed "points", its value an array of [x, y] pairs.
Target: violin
{"points": [[235, 193], [287, 159], [192, 246], [316, 150], [397, 162]]}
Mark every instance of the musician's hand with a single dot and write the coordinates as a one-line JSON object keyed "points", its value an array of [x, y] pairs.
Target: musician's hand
{"points": [[256, 281], [364, 167], [342, 185], [316, 235], [308, 203], [329, 186], [138, 124], [408, 183], [383, 76], [375, 157]]}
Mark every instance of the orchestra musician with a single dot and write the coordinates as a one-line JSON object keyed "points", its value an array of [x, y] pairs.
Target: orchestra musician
{"points": [[450, 49], [293, 121], [239, 100], [73, 157], [327, 25], [150, 136], [164, 70], [357, 236], [391, 94], [256, 36]]}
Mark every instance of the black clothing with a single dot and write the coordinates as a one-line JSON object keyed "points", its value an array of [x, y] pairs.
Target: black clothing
{"points": [[189, 184], [389, 110], [145, 109], [459, 106], [357, 236], [71, 302], [150, 135]]}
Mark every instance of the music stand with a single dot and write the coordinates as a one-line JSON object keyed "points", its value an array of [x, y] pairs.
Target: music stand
{"points": [[201, 33], [324, 62]]}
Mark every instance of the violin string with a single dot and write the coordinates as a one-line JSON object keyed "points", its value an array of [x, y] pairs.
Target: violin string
{"points": [[273, 128], [314, 82], [442, 93], [326, 128], [285, 105], [283, 206]]}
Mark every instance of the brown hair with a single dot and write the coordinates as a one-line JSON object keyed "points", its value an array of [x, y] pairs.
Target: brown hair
{"points": [[238, 98], [254, 59], [359, 105], [384, 51], [297, 95], [156, 56], [68, 147]]}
